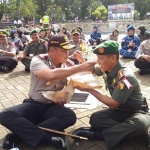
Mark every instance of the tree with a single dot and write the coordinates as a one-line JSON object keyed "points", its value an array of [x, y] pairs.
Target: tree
{"points": [[100, 12], [142, 6], [20, 9], [3, 5]]}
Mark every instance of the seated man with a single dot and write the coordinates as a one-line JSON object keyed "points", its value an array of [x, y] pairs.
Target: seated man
{"points": [[80, 47], [127, 115], [143, 57], [48, 73], [7, 53], [95, 36], [130, 44], [35, 47]]}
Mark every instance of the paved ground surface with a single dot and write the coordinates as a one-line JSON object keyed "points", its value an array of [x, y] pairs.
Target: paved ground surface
{"points": [[14, 88]]}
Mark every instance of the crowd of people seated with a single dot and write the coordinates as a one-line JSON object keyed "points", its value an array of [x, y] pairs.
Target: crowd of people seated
{"points": [[130, 45]]}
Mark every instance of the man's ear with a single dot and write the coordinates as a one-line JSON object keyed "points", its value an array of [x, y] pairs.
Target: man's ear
{"points": [[114, 58]]}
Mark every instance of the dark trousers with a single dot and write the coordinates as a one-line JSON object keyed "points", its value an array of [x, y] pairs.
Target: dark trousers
{"points": [[117, 125], [10, 64], [24, 119], [142, 64]]}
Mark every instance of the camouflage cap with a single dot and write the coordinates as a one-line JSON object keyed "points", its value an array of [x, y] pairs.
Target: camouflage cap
{"points": [[3, 33], [107, 47], [61, 41]]}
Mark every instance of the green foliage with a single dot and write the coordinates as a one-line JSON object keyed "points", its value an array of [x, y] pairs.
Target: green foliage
{"points": [[3, 6], [100, 12], [136, 15]]}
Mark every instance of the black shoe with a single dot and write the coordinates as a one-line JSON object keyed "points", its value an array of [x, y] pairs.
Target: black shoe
{"points": [[27, 69], [10, 141], [93, 47], [144, 71], [5, 69], [85, 132], [60, 142]]}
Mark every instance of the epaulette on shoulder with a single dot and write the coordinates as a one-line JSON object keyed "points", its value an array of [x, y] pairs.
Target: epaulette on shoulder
{"points": [[43, 56], [41, 40], [30, 42], [120, 74]]}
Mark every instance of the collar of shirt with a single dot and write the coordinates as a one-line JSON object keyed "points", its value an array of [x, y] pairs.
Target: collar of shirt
{"points": [[115, 70]]}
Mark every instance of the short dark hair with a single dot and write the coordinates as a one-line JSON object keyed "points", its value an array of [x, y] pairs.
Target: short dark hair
{"points": [[116, 54]]}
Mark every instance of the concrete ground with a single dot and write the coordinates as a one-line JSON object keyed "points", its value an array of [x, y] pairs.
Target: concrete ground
{"points": [[14, 88]]}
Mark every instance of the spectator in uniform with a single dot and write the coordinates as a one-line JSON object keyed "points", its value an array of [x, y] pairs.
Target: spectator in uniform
{"points": [[95, 36], [80, 46], [16, 40], [143, 57], [48, 73], [45, 20], [130, 44], [35, 47], [23, 39], [142, 33], [82, 36], [7, 53]]}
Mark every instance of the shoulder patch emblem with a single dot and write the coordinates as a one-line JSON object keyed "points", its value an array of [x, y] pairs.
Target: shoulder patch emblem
{"points": [[127, 83], [120, 85]]}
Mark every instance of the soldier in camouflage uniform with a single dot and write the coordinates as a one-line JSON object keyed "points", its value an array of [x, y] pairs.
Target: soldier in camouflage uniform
{"points": [[7, 53], [35, 47], [127, 115]]}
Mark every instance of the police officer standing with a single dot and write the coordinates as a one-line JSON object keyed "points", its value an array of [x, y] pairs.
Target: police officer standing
{"points": [[7, 53], [48, 73], [34, 47], [127, 115], [45, 20]]}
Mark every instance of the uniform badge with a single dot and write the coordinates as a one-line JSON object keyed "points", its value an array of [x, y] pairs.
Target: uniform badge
{"points": [[101, 50], [120, 85], [48, 83], [127, 83], [120, 74]]}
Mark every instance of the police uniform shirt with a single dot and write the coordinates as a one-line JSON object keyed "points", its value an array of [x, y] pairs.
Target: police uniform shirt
{"points": [[10, 47], [144, 49], [123, 87], [36, 49], [38, 85], [78, 46]]}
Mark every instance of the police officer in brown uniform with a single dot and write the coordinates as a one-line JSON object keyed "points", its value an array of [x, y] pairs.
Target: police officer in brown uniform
{"points": [[47, 74], [34, 47], [7, 54], [127, 115]]}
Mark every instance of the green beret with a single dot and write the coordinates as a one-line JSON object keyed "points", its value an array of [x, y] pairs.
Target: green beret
{"points": [[33, 31], [43, 29], [107, 47]]}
